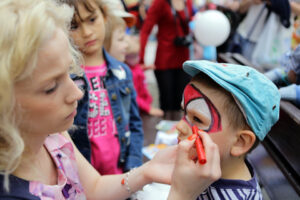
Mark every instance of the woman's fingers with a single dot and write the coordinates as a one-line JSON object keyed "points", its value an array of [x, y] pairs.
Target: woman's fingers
{"points": [[184, 149]]}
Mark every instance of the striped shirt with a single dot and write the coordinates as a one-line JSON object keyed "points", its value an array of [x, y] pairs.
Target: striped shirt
{"points": [[227, 189]]}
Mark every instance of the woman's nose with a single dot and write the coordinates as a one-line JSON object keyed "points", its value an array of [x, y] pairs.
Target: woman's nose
{"points": [[74, 93]]}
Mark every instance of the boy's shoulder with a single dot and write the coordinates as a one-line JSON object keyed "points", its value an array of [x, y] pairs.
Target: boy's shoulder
{"points": [[235, 189]]}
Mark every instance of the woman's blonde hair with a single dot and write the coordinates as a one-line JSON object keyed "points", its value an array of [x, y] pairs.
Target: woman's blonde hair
{"points": [[25, 26]]}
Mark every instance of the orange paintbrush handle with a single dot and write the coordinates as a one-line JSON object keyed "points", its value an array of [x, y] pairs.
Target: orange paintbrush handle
{"points": [[199, 147]]}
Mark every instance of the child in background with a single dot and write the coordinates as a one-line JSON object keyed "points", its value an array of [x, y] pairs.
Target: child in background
{"points": [[125, 48], [225, 101], [109, 128], [115, 41], [38, 101], [286, 77], [144, 98]]}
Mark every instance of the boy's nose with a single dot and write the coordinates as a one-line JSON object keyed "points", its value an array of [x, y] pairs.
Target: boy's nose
{"points": [[183, 128]]}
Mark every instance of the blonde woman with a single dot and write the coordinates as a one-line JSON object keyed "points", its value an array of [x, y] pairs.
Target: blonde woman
{"points": [[38, 102]]}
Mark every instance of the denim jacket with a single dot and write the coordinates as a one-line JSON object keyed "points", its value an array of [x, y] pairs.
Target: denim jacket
{"points": [[122, 96]]}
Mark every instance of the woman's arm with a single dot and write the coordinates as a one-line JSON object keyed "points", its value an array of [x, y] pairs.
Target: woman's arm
{"points": [[109, 186], [189, 178]]}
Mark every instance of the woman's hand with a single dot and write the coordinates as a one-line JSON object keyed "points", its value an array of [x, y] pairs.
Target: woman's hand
{"points": [[189, 178], [160, 168]]}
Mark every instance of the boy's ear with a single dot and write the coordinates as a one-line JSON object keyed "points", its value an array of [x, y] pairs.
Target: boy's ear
{"points": [[244, 141]]}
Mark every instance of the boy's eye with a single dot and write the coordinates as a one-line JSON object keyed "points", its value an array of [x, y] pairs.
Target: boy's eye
{"points": [[196, 119]]}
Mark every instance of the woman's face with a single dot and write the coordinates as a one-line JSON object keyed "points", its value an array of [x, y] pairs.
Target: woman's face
{"points": [[46, 101], [88, 31]]}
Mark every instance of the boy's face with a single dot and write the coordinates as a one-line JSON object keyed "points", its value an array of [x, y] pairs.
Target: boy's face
{"points": [[119, 44], [88, 31], [203, 108]]}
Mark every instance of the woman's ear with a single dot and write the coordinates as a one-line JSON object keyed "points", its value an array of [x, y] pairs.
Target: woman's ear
{"points": [[244, 141]]}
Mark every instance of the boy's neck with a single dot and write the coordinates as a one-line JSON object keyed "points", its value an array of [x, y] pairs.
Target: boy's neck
{"points": [[236, 169], [93, 59]]}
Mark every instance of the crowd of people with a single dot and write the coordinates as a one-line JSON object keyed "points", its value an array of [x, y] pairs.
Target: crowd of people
{"points": [[73, 88]]}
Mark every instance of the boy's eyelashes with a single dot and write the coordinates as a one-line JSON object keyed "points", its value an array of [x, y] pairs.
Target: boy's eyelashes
{"points": [[196, 119]]}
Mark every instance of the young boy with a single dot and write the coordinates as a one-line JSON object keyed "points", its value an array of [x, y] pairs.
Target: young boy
{"points": [[236, 106]]}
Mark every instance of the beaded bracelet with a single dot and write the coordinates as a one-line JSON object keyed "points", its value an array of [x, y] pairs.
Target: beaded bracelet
{"points": [[125, 181]]}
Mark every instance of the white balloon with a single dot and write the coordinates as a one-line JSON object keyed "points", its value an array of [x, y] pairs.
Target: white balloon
{"points": [[212, 28]]}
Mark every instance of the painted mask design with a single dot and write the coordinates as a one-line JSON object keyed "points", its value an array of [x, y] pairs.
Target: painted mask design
{"points": [[195, 101]]}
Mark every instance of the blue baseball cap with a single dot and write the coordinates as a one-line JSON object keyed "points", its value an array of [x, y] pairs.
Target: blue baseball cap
{"points": [[257, 96]]}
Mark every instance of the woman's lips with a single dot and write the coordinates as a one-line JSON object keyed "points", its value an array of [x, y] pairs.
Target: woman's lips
{"points": [[73, 114], [90, 43]]}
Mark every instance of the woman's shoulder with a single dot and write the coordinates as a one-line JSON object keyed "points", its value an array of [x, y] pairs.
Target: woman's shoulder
{"points": [[18, 189], [56, 141]]}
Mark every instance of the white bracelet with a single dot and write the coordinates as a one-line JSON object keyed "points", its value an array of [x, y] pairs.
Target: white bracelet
{"points": [[125, 181]]}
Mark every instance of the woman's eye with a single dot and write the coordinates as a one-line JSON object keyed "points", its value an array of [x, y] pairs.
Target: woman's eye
{"points": [[51, 90]]}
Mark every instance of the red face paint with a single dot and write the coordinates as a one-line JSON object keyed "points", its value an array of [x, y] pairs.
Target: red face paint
{"points": [[194, 98]]}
